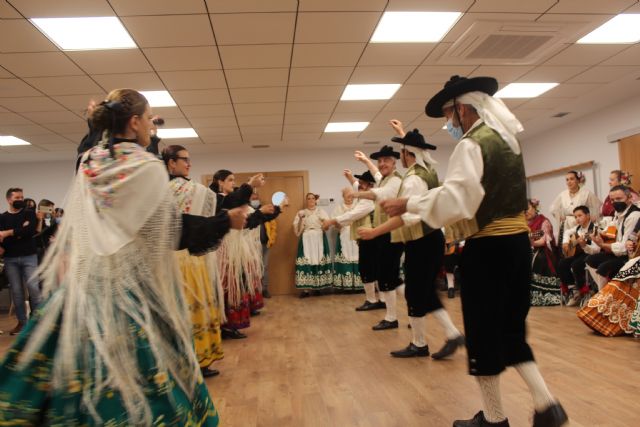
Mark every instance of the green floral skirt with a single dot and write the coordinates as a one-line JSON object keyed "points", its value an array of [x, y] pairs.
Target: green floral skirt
{"points": [[27, 397], [310, 274], [346, 275]]}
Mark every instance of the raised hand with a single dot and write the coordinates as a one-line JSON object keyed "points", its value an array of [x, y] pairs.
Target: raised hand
{"points": [[398, 127], [360, 156], [268, 209], [238, 217]]}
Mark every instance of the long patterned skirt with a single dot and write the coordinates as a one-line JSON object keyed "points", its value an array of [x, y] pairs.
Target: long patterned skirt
{"points": [[205, 319], [545, 284], [614, 310], [313, 264], [346, 275], [27, 396]]}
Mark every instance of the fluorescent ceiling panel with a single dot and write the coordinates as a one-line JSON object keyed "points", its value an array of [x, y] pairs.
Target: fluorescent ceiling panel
{"points": [[92, 33], [369, 92], [8, 141], [346, 126], [524, 90], [624, 28], [414, 27], [177, 133], [159, 98]]}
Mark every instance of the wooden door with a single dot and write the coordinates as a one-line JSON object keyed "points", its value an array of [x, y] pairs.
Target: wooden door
{"points": [[282, 255], [629, 152]]}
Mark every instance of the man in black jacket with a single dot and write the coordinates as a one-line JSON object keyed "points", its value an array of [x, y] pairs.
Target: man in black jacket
{"points": [[17, 231]]}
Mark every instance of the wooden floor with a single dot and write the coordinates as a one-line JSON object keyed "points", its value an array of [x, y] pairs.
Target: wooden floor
{"points": [[316, 362]]}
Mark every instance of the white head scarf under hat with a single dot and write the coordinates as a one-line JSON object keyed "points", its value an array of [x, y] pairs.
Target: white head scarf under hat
{"points": [[495, 114], [423, 157]]}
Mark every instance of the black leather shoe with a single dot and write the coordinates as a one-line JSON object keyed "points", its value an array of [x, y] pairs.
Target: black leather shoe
{"points": [[553, 416], [208, 373], [255, 313], [304, 294], [371, 306], [412, 351], [479, 421], [385, 324], [232, 334], [450, 347], [451, 293]]}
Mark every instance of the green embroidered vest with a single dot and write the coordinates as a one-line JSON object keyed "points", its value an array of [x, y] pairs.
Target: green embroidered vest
{"points": [[414, 232], [365, 221], [379, 215], [503, 180]]}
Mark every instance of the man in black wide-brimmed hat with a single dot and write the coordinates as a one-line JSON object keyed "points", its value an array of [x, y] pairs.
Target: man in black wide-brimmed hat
{"points": [[483, 199], [423, 248]]}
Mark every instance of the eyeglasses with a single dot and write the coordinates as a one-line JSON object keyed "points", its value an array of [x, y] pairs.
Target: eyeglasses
{"points": [[186, 159]]}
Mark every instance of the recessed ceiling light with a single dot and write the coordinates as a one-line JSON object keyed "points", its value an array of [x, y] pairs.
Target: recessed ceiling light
{"points": [[159, 98], [369, 91], [346, 126], [177, 133], [92, 33], [624, 28], [8, 141], [524, 90], [414, 27]]}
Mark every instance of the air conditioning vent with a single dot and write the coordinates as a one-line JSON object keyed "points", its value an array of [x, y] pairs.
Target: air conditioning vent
{"points": [[508, 46]]}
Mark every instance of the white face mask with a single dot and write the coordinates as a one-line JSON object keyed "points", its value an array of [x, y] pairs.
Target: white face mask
{"points": [[254, 204]]}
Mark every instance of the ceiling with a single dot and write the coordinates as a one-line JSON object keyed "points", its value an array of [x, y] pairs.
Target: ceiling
{"points": [[256, 72]]}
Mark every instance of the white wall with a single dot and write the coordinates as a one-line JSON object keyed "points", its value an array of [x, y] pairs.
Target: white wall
{"points": [[51, 179], [576, 142]]}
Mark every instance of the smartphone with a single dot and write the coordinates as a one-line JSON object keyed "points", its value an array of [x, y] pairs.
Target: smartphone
{"points": [[46, 209]]}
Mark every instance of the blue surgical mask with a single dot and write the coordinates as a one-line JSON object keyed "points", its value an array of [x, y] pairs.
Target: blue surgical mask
{"points": [[255, 204], [455, 132]]}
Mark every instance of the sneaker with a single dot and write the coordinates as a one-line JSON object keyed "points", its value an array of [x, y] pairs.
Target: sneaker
{"points": [[17, 329]]}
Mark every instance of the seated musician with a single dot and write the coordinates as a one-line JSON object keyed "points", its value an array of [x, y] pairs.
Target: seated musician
{"points": [[577, 246], [613, 254]]}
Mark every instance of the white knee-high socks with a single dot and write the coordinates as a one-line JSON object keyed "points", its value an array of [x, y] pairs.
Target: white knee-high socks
{"points": [[491, 397], [418, 330], [370, 292], [542, 397], [390, 301], [443, 318], [450, 281]]}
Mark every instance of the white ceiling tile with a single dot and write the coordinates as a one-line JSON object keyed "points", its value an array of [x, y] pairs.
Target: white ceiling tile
{"points": [[62, 146], [4, 74], [584, 21], [154, 7], [468, 19], [76, 127], [327, 54], [7, 11], [548, 73], [260, 138], [13, 119], [514, 102], [65, 85], [220, 131], [353, 117], [39, 64], [413, 105], [395, 53], [183, 58], [63, 8], [320, 76], [569, 90], [137, 81], [429, 6], [544, 102], [235, 140], [420, 92], [293, 137], [316, 128], [265, 77], [256, 56], [16, 88], [49, 139], [200, 97], [436, 74], [168, 112], [30, 104], [315, 93], [591, 6], [264, 94], [583, 54], [254, 28], [292, 118], [25, 130], [341, 5], [604, 74], [501, 6], [629, 56], [405, 117], [111, 61], [310, 107], [197, 111], [502, 73], [635, 8], [271, 120], [79, 103], [261, 130], [198, 122], [359, 106], [176, 122], [182, 80], [523, 113], [387, 74], [244, 6], [259, 109], [22, 149], [18, 35], [52, 117], [170, 30], [344, 27]]}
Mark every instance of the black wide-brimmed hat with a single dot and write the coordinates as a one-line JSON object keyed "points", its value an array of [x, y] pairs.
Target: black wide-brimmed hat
{"points": [[386, 151], [366, 177], [457, 86], [414, 139]]}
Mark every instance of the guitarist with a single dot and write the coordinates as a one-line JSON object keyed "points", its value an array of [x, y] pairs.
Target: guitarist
{"points": [[578, 244], [612, 256]]}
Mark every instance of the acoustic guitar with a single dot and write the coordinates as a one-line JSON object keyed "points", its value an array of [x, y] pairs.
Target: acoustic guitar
{"points": [[573, 247], [609, 234]]}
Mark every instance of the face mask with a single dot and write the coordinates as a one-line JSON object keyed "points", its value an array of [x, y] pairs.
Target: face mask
{"points": [[455, 132], [254, 204], [18, 204], [58, 220], [619, 206]]}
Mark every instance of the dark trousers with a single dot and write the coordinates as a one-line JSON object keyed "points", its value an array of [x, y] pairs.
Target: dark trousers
{"points": [[422, 262], [496, 280], [606, 264], [571, 271], [388, 263], [367, 260]]}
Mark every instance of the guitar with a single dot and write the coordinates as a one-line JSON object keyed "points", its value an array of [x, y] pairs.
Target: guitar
{"points": [[535, 235], [573, 247], [609, 234]]}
